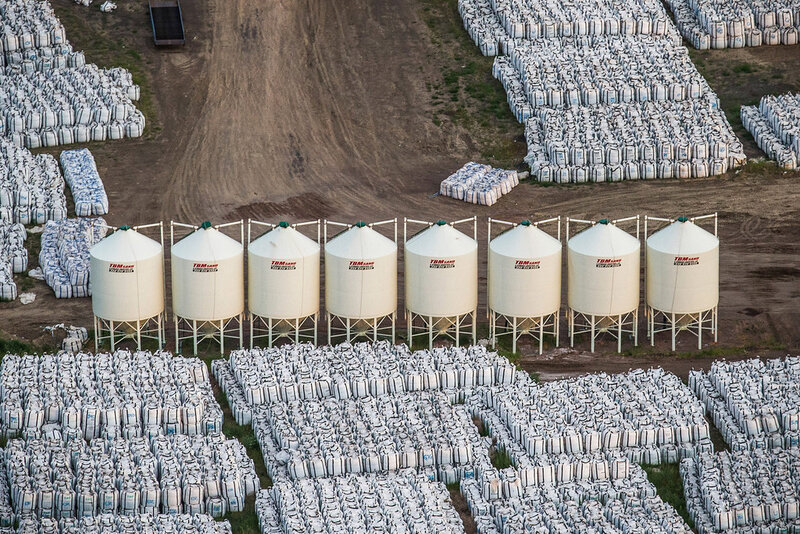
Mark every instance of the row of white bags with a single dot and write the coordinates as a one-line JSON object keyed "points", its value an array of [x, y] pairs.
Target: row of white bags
{"points": [[479, 184], [483, 26], [775, 125], [722, 24], [598, 412], [295, 372], [80, 173], [625, 505], [388, 433], [376, 504], [752, 398], [603, 69], [13, 257], [31, 187], [107, 394], [172, 475], [691, 132], [25, 25], [735, 492], [64, 257], [112, 524]]}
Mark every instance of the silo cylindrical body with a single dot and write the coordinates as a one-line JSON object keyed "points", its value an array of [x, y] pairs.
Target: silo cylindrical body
{"points": [[441, 268], [603, 271], [682, 269], [361, 274], [524, 272], [127, 277], [283, 274], [207, 276]]}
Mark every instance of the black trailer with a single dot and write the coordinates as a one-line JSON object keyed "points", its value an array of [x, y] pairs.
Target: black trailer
{"points": [[167, 21]]}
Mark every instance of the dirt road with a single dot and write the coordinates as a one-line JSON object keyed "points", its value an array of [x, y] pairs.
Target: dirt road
{"points": [[306, 109]]}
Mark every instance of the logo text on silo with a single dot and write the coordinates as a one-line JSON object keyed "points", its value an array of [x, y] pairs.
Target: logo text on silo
{"points": [[283, 265], [205, 267], [607, 263], [442, 264], [527, 264], [682, 261], [362, 265], [121, 268]]}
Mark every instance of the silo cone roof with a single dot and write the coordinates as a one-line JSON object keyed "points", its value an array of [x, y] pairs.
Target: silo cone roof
{"points": [[360, 242], [441, 240], [525, 242], [125, 246], [206, 244], [604, 240], [682, 237], [283, 244]]}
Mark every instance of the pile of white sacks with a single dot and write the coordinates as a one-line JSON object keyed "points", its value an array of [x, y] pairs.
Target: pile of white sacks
{"points": [[755, 404], [632, 141], [775, 125], [371, 435], [738, 23], [52, 478], [31, 187], [649, 414], [64, 256], [479, 184], [105, 395], [611, 63], [113, 524], [502, 503], [80, 173], [13, 257], [381, 504], [304, 371], [743, 490], [49, 94]]}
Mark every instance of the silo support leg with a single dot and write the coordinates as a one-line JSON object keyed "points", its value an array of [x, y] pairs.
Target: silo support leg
{"points": [[194, 335], [96, 333], [474, 327], [592, 333], [636, 328], [541, 337], [700, 331], [672, 327], [112, 335], [458, 330], [430, 333], [139, 335], [619, 335], [375, 330]]}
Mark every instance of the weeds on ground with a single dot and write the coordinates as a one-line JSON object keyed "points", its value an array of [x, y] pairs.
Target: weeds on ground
{"points": [[667, 480]]}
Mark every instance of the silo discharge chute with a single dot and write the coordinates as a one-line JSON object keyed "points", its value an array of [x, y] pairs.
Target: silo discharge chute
{"points": [[524, 281]]}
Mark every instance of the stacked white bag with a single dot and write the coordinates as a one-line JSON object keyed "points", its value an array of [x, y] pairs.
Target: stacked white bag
{"points": [[739, 491], [737, 23], [31, 187], [479, 184], [114, 524], [107, 395], [775, 125], [401, 502], [64, 257], [80, 173], [13, 257]]}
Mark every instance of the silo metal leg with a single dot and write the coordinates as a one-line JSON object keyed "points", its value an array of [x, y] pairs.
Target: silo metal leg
{"points": [[160, 331], [375, 330], [651, 327], [619, 334], [315, 329], [394, 322], [699, 330], [557, 322], [636, 327], [541, 337], [571, 325], [329, 328], [430, 333], [409, 318], [194, 335], [112, 335], [348, 330], [241, 335], [474, 327], [96, 333], [592, 333], [297, 331], [458, 329], [177, 337], [672, 327], [139, 334]]}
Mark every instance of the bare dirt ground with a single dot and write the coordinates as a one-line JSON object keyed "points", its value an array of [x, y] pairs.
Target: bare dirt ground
{"points": [[305, 109]]}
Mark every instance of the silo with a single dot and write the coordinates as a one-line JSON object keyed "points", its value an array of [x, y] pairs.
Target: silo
{"points": [[682, 278], [127, 274], [441, 281], [603, 280], [360, 282], [207, 285], [524, 281], [283, 283]]}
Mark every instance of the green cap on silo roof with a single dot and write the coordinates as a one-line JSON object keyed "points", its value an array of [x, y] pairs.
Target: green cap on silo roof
{"points": [[602, 221], [283, 224], [125, 227], [206, 225], [361, 224], [441, 222], [683, 219], [526, 222]]}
